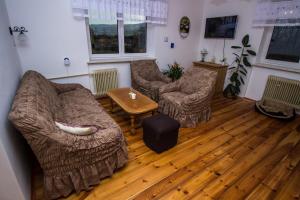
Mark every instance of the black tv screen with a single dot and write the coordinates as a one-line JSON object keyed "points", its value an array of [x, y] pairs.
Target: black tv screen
{"points": [[220, 27]]}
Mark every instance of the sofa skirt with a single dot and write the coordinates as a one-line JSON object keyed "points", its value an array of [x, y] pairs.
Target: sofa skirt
{"points": [[186, 119], [84, 178]]}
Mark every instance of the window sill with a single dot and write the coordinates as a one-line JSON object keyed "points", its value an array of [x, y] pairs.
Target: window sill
{"points": [[277, 67], [118, 60]]}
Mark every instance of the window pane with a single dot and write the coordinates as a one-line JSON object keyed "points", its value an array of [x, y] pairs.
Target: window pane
{"points": [[104, 38], [285, 44], [135, 37]]}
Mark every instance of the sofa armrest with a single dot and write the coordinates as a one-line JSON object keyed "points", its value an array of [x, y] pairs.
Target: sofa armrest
{"points": [[169, 88], [61, 88], [66, 149], [72, 143], [198, 99], [195, 98]]}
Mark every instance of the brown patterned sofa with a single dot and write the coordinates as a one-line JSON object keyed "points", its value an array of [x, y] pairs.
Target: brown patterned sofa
{"points": [[69, 162], [188, 100], [146, 78]]}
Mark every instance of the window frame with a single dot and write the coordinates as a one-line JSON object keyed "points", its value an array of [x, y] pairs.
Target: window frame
{"points": [[263, 50], [121, 40]]}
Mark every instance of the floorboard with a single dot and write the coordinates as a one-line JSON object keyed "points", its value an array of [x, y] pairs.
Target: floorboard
{"points": [[238, 154]]}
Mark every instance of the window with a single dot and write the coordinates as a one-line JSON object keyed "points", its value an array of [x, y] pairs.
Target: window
{"points": [[280, 48], [118, 38], [135, 38], [285, 44], [104, 38]]}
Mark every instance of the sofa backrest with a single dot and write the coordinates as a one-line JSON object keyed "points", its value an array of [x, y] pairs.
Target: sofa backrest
{"points": [[195, 79], [147, 69], [35, 104]]}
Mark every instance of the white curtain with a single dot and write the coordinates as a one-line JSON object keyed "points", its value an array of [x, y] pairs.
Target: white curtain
{"points": [[277, 13], [150, 11]]}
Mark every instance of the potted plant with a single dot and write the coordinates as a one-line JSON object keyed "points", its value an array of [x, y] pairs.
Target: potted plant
{"points": [[174, 72], [239, 68]]}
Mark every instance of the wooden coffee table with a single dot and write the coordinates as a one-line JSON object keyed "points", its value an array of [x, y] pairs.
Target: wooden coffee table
{"points": [[134, 107]]}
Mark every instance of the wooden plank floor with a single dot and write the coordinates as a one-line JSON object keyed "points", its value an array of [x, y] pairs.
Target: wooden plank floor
{"points": [[238, 154]]}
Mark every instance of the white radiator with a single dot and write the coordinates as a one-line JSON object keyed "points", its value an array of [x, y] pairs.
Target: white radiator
{"points": [[105, 80], [283, 90]]}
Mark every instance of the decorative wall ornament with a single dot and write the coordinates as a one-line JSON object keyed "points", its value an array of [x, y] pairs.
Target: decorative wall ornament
{"points": [[277, 13], [17, 29], [21, 30], [184, 27], [149, 11]]}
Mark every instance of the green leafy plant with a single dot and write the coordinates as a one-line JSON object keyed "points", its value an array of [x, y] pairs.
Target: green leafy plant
{"points": [[239, 67], [174, 72]]}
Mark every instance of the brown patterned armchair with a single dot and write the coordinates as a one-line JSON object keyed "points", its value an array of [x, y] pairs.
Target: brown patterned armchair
{"points": [[146, 78], [188, 100], [69, 162]]}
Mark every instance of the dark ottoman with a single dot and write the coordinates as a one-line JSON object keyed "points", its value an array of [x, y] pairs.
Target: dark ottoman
{"points": [[160, 132]]}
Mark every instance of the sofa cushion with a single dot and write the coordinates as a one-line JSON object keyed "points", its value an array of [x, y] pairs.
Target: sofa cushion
{"points": [[79, 107]]}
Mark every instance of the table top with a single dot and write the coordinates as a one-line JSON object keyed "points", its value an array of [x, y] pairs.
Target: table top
{"points": [[141, 104]]}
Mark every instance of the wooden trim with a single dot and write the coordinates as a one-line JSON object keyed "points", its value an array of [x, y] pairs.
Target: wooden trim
{"points": [[117, 60], [248, 99], [276, 67], [68, 76], [102, 61]]}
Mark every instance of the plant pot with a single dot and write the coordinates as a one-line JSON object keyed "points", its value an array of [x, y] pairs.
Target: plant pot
{"points": [[229, 95]]}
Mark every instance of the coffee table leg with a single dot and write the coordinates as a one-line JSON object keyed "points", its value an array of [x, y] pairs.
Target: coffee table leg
{"points": [[112, 105], [132, 121], [154, 112]]}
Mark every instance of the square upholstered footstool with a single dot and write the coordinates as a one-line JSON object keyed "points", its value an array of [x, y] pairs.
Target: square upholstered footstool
{"points": [[160, 132]]}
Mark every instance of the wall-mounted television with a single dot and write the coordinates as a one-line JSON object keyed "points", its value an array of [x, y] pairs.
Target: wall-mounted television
{"points": [[221, 27]]}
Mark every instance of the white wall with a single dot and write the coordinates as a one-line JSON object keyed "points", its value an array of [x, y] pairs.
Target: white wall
{"points": [[244, 9], [186, 50], [15, 170], [257, 77], [55, 34]]}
